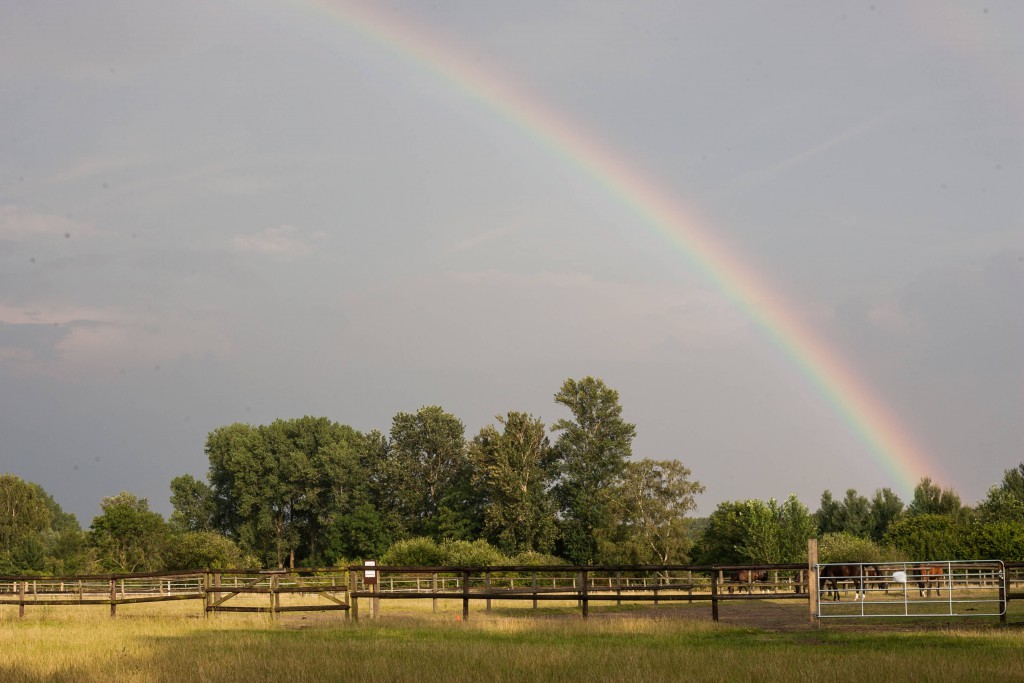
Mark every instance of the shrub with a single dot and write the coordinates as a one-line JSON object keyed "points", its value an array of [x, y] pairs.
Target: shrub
{"points": [[413, 552], [478, 553]]}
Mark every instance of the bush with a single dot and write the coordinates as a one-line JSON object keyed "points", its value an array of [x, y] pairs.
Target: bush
{"points": [[535, 559], [478, 553], [413, 552], [845, 547]]}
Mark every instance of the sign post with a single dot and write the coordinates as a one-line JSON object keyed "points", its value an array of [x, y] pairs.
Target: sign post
{"points": [[370, 579]]}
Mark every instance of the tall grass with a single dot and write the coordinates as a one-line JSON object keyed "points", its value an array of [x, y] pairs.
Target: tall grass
{"points": [[173, 642]]}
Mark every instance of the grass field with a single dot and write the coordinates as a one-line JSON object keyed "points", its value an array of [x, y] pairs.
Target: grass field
{"points": [[173, 642]]}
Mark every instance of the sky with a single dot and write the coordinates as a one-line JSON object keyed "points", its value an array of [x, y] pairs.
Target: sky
{"points": [[789, 234]]}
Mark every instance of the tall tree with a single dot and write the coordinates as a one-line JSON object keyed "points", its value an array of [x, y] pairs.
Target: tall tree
{"points": [[513, 470], [193, 505], [592, 451], [652, 504], [886, 510], [427, 474], [24, 520], [931, 499], [855, 514], [127, 535], [777, 532], [282, 490], [1005, 500], [827, 518]]}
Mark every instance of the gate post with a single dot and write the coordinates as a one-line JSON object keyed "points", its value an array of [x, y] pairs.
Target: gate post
{"points": [[812, 579], [714, 595], [1004, 589]]}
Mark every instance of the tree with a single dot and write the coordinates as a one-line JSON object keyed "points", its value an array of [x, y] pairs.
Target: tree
{"points": [[776, 533], [193, 503], [512, 472], [592, 451], [855, 514], [284, 490], [886, 509], [24, 520], [827, 518], [724, 534], [931, 499], [128, 536], [929, 537], [1005, 501], [652, 503], [756, 531], [203, 550], [427, 476]]}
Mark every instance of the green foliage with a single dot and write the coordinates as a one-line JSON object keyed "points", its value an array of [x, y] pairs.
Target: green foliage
{"points": [[754, 531], [204, 550], [512, 472], [931, 499], [287, 491], [531, 558], [128, 536], [930, 537], [419, 551], [1000, 539], [1005, 501], [592, 451], [886, 508], [776, 533], [649, 507], [845, 547], [426, 473], [193, 503], [478, 553]]}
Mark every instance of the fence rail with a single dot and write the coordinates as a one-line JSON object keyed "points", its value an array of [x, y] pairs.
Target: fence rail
{"points": [[342, 588]]}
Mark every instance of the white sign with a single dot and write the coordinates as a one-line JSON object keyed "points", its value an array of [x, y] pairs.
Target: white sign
{"points": [[368, 569]]}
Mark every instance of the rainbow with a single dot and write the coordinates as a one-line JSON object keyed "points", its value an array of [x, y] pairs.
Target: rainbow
{"points": [[873, 423]]}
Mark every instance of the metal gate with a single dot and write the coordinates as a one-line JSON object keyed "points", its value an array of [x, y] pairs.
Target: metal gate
{"points": [[911, 589]]}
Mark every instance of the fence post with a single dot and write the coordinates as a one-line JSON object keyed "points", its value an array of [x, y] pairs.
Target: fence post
{"points": [[618, 588], [534, 590], [433, 589], [273, 588], [465, 595], [812, 579], [21, 598], [585, 601], [487, 587], [714, 596], [353, 583], [113, 598]]}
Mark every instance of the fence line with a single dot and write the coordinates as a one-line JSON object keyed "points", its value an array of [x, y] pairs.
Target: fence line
{"points": [[342, 588]]}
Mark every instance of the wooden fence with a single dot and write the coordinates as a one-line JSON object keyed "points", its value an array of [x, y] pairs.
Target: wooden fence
{"points": [[342, 589]]}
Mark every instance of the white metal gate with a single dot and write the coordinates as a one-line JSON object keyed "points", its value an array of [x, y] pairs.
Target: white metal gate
{"points": [[911, 589]]}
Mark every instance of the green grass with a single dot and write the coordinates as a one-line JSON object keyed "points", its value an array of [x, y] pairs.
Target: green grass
{"points": [[171, 642]]}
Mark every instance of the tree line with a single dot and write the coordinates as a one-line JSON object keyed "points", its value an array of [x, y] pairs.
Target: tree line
{"points": [[313, 492]]}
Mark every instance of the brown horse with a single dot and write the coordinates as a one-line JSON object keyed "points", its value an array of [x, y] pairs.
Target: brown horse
{"points": [[746, 578], [928, 575], [832, 574]]}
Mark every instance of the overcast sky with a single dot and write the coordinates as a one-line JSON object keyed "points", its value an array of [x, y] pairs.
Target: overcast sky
{"points": [[227, 211]]}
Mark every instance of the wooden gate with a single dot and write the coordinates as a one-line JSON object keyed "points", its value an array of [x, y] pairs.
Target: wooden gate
{"points": [[314, 590]]}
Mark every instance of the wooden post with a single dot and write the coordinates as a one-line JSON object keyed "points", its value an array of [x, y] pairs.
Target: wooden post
{"points": [[433, 589], [714, 596], [812, 579], [207, 595], [487, 587], [465, 595], [689, 587], [21, 598], [535, 590], [273, 588], [618, 588], [113, 598], [584, 594], [353, 587]]}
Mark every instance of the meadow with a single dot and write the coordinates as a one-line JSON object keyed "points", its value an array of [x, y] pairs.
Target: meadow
{"points": [[174, 642]]}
